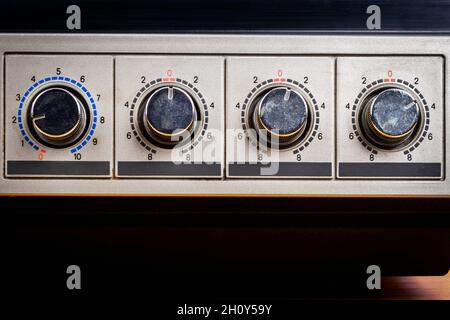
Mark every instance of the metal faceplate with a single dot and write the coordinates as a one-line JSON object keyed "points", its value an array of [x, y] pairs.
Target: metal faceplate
{"points": [[312, 156], [224, 75], [202, 78], [88, 76], [423, 157]]}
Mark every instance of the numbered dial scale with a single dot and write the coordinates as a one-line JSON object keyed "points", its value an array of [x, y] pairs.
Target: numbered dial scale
{"points": [[390, 119], [390, 116], [62, 115], [169, 116], [56, 115], [280, 114], [280, 111]]}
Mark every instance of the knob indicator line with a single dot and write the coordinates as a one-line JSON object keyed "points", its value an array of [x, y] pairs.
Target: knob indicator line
{"points": [[49, 82], [163, 128], [389, 117], [272, 116]]}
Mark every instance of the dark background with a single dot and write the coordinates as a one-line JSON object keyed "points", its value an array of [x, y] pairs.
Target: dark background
{"points": [[168, 251], [229, 16], [178, 249]]}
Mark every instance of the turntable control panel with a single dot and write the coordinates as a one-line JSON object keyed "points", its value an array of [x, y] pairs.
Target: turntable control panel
{"points": [[224, 115]]}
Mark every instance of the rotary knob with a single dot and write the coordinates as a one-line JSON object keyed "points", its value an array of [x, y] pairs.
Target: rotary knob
{"points": [[57, 117], [390, 117], [169, 115], [280, 116]]}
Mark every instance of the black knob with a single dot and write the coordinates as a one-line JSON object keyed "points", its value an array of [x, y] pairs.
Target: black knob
{"points": [[390, 117], [169, 115], [57, 117], [281, 114]]}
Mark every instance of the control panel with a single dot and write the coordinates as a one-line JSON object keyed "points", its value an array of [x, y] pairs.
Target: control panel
{"points": [[280, 116], [59, 116], [169, 116], [224, 115], [390, 123]]}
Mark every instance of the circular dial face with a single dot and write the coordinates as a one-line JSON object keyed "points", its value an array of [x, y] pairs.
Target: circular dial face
{"points": [[280, 116], [57, 117], [389, 118], [168, 116]]}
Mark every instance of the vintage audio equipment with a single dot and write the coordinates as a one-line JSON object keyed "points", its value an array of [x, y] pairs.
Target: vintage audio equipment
{"points": [[235, 115], [276, 140]]}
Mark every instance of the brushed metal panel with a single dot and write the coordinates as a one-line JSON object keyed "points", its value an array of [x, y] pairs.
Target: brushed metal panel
{"points": [[227, 45]]}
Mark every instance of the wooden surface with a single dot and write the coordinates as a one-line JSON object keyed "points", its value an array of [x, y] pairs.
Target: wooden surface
{"points": [[416, 288]]}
